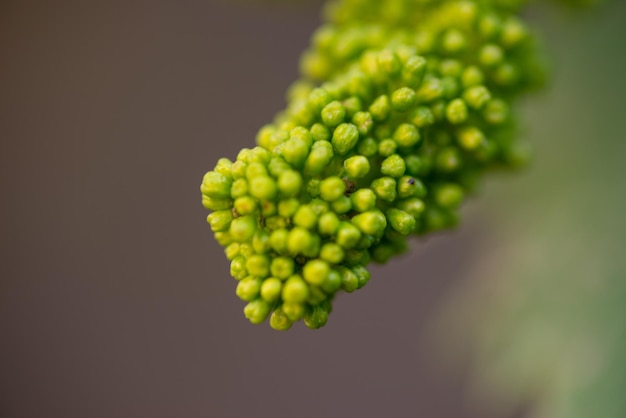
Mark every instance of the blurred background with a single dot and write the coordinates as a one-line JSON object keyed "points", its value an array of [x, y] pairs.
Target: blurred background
{"points": [[115, 300]]}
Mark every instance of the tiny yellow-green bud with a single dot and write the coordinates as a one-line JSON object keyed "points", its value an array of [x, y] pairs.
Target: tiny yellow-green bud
{"points": [[243, 228], [363, 200], [406, 135], [403, 99], [258, 265], [345, 137], [295, 290], [393, 166], [328, 223], [271, 289], [385, 188], [333, 114], [315, 272], [456, 111], [248, 288], [357, 166], [220, 220], [280, 321], [332, 188], [257, 311]]}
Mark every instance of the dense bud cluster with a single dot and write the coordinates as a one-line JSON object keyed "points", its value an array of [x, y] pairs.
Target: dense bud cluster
{"points": [[403, 105]]}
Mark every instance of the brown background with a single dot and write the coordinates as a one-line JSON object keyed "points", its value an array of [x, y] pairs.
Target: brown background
{"points": [[115, 300]]}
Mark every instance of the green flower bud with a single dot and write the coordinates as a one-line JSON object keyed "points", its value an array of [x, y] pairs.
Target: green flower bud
{"points": [[401, 221], [476, 96], [256, 311], [299, 241], [380, 108], [220, 220], [342, 205], [268, 209], [295, 290], [261, 242], [410, 186], [280, 321], [491, 55], [413, 164], [321, 155], [393, 166], [278, 240], [385, 188], [318, 99], [513, 33], [282, 267], [332, 253], [406, 135], [224, 167], [245, 205], [448, 160], [263, 188], [349, 280], [305, 217], [431, 90], [289, 183], [294, 151], [320, 132], [363, 200], [315, 272], [363, 122], [449, 196], [357, 166], [372, 222], [256, 170], [246, 250], [348, 235], [413, 71], [216, 185], [453, 41], [288, 208], [328, 223], [231, 251], [316, 317], [345, 138], [239, 169], [238, 267], [496, 112], [470, 138], [472, 76], [362, 274], [239, 188], [248, 289], [271, 289], [422, 117], [275, 222], [403, 99], [456, 111], [258, 265], [413, 206], [367, 147], [333, 114], [293, 311], [332, 188], [489, 26], [243, 228], [332, 283], [387, 147]]}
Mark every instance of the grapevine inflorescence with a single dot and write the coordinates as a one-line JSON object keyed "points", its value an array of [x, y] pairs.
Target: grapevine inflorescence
{"points": [[402, 106]]}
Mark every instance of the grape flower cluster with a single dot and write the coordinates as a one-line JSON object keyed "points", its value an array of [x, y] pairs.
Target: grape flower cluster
{"points": [[403, 104]]}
